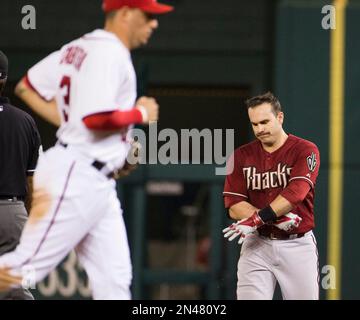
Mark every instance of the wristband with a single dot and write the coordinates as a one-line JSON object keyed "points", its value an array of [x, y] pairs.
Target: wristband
{"points": [[267, 214]]}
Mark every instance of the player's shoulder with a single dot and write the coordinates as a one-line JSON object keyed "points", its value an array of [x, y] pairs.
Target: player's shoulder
{"points": [[103, 41], [248, 148], [301, 143], [101, 48]]}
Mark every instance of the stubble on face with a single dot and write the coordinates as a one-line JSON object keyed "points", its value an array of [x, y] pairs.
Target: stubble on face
{"points": [[266, 125]]}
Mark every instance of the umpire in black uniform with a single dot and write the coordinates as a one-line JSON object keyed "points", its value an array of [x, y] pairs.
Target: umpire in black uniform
{"points": [[19, 151]]}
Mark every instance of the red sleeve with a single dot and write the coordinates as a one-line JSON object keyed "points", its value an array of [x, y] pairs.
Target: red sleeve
{"points": [[306, 166], [113, 120], [235, 185], [296, 191]]}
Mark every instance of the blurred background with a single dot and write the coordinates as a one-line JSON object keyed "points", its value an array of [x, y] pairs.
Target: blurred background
{"points": [[206, 58]]}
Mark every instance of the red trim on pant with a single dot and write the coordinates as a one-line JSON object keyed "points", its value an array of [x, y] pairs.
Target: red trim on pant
{"points": [[53, 218]]}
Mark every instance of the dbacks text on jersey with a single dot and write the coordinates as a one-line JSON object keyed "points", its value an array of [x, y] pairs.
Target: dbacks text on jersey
{"points": [[268, 179]]}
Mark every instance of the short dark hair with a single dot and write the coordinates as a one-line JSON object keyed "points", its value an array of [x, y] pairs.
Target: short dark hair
{"points": [[267, 97], [110, 15], [2, 85]]}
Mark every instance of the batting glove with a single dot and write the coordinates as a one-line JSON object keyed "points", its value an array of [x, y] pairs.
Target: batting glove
{"points": [[288, 222], [243, 227]]}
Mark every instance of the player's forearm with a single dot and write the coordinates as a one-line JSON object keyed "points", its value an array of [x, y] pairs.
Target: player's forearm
{"points": [[290, 197], [281, 206], [113, 120], [45, 109], [242, 210]]}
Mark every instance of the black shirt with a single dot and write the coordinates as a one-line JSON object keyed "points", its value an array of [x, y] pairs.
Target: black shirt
{"points": [[19, 149]]}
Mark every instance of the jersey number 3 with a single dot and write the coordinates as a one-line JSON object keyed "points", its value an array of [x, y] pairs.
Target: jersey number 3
{"points": [[65, 86]]}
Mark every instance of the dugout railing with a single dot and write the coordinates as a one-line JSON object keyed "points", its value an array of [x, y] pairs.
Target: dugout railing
{"points": [[220, 277]]}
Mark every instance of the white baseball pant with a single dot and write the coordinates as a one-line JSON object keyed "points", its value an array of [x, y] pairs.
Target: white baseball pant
{"points": [[75, 206], [293, 263]]}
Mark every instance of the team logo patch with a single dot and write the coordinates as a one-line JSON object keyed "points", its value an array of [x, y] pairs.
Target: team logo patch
{"points": [[311, 161]]}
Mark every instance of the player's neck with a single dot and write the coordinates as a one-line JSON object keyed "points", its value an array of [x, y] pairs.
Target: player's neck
{"points": [[279, 142], [120, 34]]}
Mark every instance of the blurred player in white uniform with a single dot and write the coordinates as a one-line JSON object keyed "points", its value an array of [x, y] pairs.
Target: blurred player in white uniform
{"points": [[91, 83]]}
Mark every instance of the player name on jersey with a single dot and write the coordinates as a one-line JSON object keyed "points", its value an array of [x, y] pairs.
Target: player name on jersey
{"points": [[75, 56], [268, 179]]}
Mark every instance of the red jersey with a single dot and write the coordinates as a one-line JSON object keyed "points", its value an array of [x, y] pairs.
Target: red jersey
{"points": [[258, 176]]}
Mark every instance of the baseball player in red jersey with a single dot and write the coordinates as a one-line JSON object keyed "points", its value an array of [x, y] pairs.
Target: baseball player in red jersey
{"points": [[269, 189], [88, 87]]}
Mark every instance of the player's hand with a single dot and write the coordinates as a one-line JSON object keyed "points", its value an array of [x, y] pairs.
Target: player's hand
{"points": [[20, 88], [288, 221], [243, 227], [131, 162], [149, 109], [7, 280]]}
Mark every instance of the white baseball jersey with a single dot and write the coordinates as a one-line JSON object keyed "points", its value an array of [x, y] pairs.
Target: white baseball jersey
{"points": [[89, 75], [75, 205]]}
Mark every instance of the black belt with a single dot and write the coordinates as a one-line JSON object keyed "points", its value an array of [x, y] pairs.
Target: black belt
{"points": [[100, 165], [96, 164], [12, 198], [65, 145], [280, 236]]}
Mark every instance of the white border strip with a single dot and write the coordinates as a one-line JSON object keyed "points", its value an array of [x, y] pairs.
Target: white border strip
{"points": [[235, 194], [305, 178]]}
